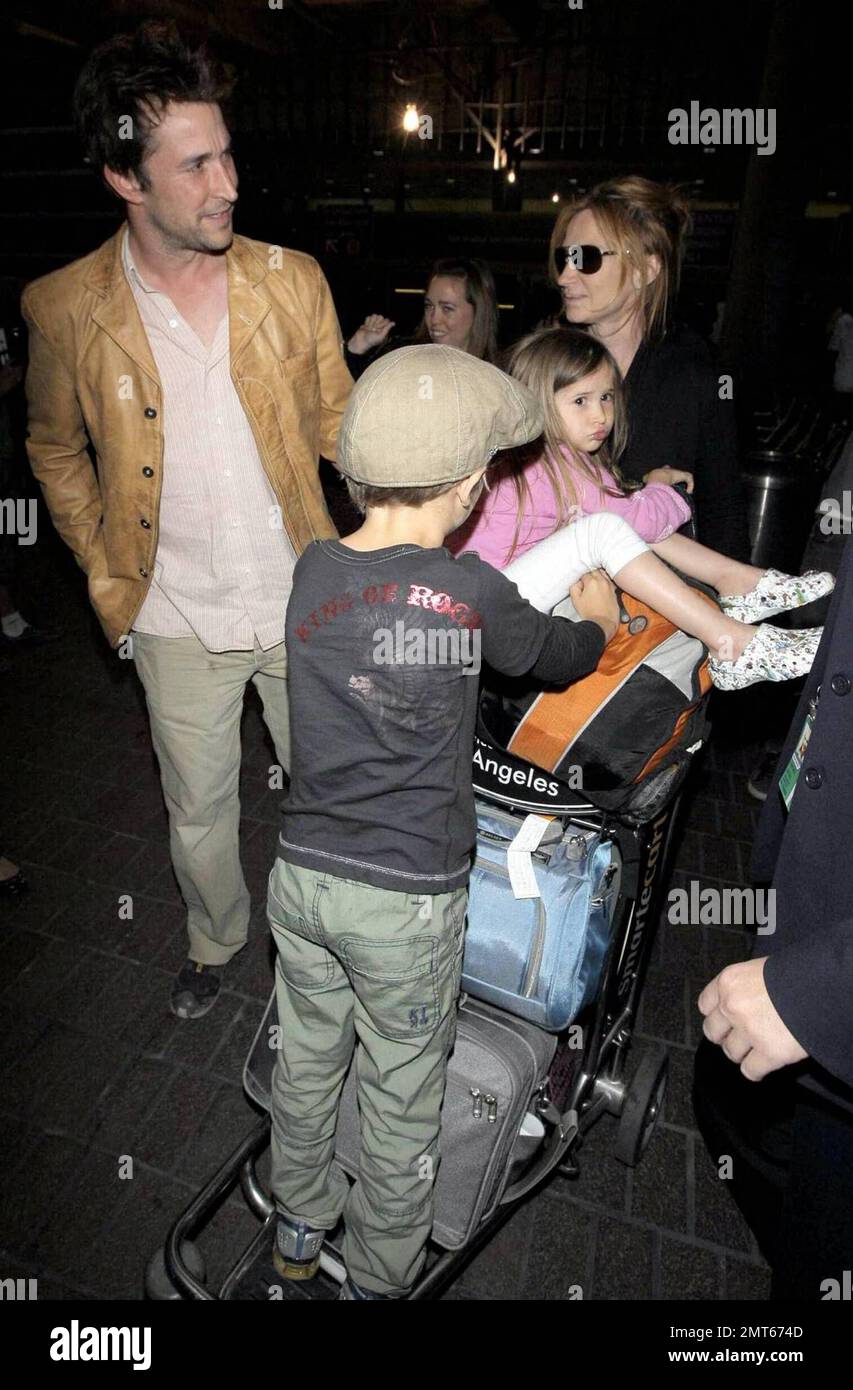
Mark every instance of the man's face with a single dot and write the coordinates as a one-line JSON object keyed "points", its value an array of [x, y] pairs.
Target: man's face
{"points": [[192, 179]]}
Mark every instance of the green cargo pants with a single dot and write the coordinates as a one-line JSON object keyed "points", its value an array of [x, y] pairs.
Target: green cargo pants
{"points": [[378, 970]]}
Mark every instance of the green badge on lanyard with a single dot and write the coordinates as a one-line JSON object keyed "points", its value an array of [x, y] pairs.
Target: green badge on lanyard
{"points": [[790, 777]]}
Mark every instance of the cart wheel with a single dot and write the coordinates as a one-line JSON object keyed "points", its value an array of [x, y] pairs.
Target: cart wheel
{"points": [[158, 1285], [642, 1106]]}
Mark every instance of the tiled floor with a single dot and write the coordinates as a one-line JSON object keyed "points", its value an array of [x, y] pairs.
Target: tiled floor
{"points": [[98, 1072]]}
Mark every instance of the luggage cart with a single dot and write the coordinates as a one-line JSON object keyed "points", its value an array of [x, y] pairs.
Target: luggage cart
{"points": [[583, 1083]]}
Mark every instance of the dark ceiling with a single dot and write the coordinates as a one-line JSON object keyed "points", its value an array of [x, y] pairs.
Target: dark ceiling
{"points": [[570, 91], [576, 91]]}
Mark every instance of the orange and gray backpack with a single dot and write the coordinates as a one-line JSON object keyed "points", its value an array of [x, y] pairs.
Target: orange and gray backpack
{"points": [[641, 712]]}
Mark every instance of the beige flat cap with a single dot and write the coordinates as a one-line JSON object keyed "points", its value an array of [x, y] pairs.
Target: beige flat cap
{"points": [[429, 414]]}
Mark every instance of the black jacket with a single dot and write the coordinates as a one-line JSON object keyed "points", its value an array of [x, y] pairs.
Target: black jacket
{"points": [[358, 362], [809, 854], [676, 417]]}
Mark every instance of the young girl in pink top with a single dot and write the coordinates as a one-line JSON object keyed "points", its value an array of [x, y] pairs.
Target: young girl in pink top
{"points": [[550, 521]]}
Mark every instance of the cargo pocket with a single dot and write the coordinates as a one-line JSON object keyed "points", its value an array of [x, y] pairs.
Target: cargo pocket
{"points": [[460, 911], [396, 983], [303, 963]]}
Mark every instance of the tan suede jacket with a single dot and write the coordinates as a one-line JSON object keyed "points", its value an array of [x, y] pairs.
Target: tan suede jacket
{"points": [[92, 379]]}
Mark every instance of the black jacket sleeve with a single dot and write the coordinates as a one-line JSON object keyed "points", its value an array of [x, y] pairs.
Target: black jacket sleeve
{"points": [[517, 638], [810, 983], [357, 362], [809, 971], [677, 417], [570, 651], [718, 496]]}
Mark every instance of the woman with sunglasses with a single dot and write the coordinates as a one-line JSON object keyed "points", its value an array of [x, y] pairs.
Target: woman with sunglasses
{"points": [[616, 258], [460, 310]]}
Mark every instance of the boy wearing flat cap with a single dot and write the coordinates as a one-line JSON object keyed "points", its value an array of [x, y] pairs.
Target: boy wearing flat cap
{"points": [[367, 899]]}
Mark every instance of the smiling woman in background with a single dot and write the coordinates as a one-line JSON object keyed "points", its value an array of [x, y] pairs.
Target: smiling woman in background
{"points": [[616, 257], [460, 310]]}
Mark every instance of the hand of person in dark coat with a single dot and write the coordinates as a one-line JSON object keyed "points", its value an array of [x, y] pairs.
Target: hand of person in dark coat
{"points": [[740, 1018]]}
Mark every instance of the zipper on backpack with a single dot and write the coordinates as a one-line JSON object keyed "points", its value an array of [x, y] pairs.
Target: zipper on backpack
{"points": [[479, 1100], [604, 885], [490, 835], [531, 981]]}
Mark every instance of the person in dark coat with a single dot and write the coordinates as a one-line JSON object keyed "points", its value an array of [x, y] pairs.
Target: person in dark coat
{"points": [[616, 256], [785, 1017]]}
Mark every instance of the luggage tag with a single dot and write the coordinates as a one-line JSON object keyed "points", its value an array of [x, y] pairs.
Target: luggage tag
{"points": [[518, 861], [791, 775]]}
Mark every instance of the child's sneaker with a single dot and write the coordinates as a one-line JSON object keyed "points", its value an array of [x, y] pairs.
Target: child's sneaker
{"points": [[772, 655], [351, 1290], [775, 593], [296, 1254]]}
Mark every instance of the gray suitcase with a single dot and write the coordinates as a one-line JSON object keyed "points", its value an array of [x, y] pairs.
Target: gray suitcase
{"points": [[498, 1066]]}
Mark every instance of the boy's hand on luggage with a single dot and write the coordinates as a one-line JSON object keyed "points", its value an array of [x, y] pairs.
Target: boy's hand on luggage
{"points": [[595, 599], [670, 476], [741, 1019]]}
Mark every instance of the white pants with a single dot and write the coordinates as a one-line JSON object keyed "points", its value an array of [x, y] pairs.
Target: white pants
{"points": [[546, 572]]}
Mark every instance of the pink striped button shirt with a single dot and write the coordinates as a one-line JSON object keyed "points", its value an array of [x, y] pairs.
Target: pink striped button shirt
{"points": [[223, 568]]}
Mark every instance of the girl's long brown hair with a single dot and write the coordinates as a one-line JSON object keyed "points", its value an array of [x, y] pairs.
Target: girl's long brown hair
{"points": [[545, 361]]}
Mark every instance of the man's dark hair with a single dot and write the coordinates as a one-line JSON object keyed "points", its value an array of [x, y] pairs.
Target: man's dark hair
{"points": [[136, 75]]}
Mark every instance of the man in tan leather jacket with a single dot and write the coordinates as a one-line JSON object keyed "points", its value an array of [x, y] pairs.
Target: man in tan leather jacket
{"points": [[205, 370]]}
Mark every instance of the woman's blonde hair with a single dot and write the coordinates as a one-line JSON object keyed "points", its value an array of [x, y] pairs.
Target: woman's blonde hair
{"points": [[545, 361], [640, 218]]}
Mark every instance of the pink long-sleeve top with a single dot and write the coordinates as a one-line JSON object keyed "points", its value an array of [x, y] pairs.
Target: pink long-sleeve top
{"points": [[655, 512]]}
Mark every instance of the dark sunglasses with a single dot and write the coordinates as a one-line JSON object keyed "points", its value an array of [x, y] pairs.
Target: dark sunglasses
{"points": [[586, 259]]}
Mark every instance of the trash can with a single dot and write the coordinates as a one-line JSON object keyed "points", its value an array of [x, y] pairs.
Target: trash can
{"points": [[793, 450], [782, 492]]}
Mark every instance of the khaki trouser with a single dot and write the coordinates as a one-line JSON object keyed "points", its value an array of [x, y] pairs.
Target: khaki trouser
{"points": [[378, 971], [195, 702]]}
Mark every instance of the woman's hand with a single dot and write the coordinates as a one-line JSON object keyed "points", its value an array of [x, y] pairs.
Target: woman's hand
{"points": [[595, 599], [670, 476], [373, 331]]}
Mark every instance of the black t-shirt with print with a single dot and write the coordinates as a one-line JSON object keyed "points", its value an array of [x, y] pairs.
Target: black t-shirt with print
{"points": [[383, 652]]}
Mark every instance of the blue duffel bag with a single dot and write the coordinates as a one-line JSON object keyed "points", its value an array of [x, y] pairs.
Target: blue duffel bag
{"points": [[539, 958]]}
